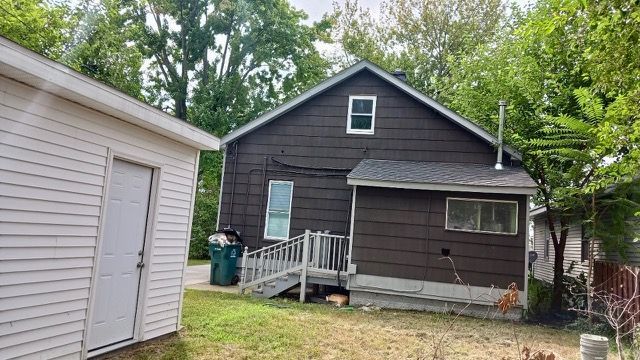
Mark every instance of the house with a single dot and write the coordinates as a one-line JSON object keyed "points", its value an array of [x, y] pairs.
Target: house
{"points": [[384, 182], [576, 252], [96, 200]]}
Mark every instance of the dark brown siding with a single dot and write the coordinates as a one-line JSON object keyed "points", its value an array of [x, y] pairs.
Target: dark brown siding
{"points": [[401, 233], [314, 135]]}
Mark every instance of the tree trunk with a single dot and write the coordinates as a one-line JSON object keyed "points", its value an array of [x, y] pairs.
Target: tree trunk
{"points": [[180, 101], [558, 265], [558, 285]]}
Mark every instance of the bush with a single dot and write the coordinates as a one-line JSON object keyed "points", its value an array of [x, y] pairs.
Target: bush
{"points": [[206, 207], [539, 297]]}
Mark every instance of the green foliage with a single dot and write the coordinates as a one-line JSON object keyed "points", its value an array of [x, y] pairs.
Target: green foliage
{"points": [[206, 207], [43, 26], [424, 38], [539, 297], [101, 48], [576, 138]]}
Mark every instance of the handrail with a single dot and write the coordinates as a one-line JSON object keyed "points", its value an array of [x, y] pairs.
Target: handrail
{"points": [[274, 245], [317, 252]]}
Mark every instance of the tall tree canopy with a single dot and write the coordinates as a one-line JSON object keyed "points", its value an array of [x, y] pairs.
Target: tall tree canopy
{"points": [[577, 130], [42, 26], [237, 57], [423, 38]]}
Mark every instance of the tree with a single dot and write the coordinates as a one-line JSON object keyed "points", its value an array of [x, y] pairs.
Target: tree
{"points": [[205, 45], [101, 48], [42, 26], [559, 117], [424, 38]]}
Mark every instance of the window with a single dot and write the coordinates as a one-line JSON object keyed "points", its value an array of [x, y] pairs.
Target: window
{"points": [[278, 210], [488, 216], [362, 114], [547, 237], [584, 250], [584, 245]]}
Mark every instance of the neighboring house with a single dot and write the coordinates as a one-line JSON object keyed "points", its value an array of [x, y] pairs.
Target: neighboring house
{"points": [[96, 200], [576, 252], [366, 156]]}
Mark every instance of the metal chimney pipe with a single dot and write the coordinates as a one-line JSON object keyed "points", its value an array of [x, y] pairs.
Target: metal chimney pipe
{"points": [[503, 105]]}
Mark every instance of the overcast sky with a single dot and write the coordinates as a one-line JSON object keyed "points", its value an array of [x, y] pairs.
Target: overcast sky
{"points": [[316, 8]]}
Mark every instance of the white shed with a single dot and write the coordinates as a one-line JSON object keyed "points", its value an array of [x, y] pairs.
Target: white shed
{"points": [[96, 200]]}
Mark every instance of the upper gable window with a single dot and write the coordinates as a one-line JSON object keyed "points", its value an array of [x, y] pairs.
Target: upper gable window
{"points": [[362, 114]]}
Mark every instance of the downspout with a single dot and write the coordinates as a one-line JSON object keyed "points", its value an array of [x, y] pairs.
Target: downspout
{"points": [[503, 105], [264, 178], [233, 181], [342, 250]]}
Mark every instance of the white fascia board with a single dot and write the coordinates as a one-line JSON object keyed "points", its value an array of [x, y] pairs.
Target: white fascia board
{"points": [[443, 187], [537, 211], [343, 75], [28, 67]]}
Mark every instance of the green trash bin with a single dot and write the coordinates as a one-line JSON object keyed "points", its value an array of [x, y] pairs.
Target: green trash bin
{"points": [[223, 263]]}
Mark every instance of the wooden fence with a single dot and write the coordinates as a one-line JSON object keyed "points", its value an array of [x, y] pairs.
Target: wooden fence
{"points": [[620, 281]]}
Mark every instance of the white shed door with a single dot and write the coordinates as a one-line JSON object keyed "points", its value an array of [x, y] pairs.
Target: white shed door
{"points": [[118, 274]]}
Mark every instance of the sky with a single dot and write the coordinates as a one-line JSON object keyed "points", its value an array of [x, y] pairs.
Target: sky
{"points": [[316, 8]]}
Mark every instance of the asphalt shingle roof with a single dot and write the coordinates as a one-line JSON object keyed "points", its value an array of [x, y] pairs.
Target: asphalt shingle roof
{"points": [[441, 173]]}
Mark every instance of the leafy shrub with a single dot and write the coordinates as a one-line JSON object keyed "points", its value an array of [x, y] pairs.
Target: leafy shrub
{"points": [[539, 297], [206, 207]]}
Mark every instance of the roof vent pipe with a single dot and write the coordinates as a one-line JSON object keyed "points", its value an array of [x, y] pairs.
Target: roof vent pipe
{"points": [[503, 105], [400, 74]]}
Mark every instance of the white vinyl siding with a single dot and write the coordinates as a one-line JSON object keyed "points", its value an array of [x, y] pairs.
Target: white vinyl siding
{"points": [[53, 158], [278, 215], [543, 268], [361, 118]]}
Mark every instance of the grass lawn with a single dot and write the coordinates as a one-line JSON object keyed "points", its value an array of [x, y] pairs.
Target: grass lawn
{"points": [[192, 262], [228, 326]]}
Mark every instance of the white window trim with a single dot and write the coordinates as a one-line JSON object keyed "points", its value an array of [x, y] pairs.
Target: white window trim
{"points": [[373, 115], [446, 225], [266, 221]]}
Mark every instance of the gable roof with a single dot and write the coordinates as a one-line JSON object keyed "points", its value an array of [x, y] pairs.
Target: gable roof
{"points": [[31, 68], [389, 78]]}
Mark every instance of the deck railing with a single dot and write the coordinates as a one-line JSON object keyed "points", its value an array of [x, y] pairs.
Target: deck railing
{"points": [[317, 252]]}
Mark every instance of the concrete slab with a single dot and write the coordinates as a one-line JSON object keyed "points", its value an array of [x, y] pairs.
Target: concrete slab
{"points": [[197, 274], [217, 288], [197, 277]]}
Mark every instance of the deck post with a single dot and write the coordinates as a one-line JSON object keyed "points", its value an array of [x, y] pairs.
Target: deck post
{"points": [[305, 265], [243, 273], [316, 249]]}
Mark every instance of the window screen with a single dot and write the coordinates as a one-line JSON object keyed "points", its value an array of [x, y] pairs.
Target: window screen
{"points": [[279, 210], [482, 216]]}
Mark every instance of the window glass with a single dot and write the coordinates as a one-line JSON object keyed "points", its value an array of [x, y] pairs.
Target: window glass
{"points": [[278, 211], [361, 122], [361, 117], [482, 216], [362, 106]]}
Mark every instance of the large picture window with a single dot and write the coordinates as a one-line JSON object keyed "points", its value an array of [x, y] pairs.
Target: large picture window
{"points": [[278, 210], [487, 216], [362, 114]]}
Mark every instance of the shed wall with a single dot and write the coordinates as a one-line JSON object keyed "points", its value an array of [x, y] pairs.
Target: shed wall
{"points": [[53, 157], [314, 136], [401, 233]]}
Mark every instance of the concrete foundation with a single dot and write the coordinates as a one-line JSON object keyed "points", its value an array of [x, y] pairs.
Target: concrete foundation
{"points": [[404, 302]]}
